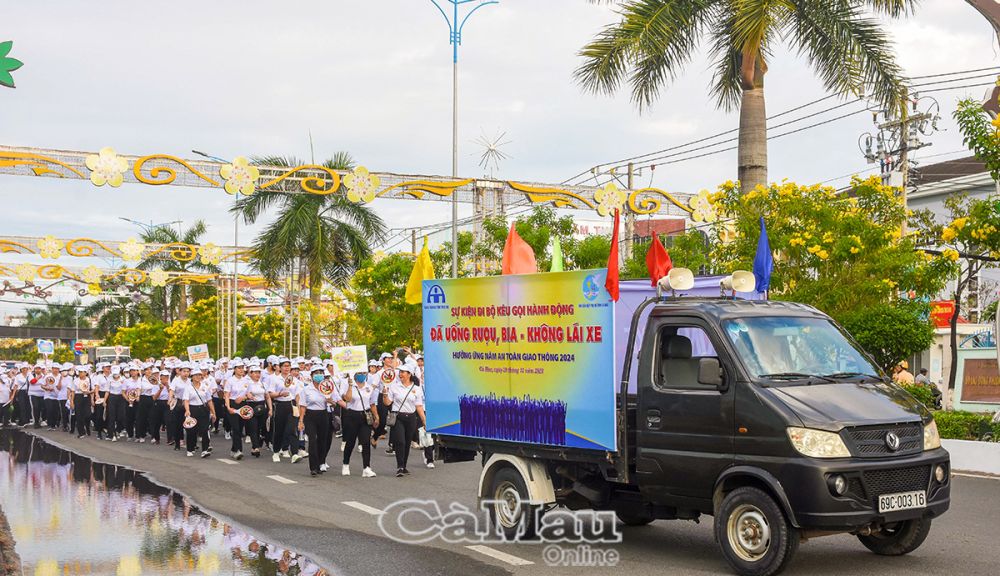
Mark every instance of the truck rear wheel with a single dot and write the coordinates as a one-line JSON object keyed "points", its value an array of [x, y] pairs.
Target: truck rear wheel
{"points": [[898, 538], [755, 536], [509, 510]]}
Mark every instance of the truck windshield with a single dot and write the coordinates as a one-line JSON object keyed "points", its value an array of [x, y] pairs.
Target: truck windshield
{"points": [[796, 348]]}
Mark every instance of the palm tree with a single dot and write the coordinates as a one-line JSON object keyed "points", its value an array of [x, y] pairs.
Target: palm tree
{"points": [[56, 316], [328, 234], [841, 39], [114, 312], [167, 300]]}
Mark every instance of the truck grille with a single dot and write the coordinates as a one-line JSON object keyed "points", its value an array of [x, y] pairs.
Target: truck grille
{"points": [[870, 441], [892, 480]]}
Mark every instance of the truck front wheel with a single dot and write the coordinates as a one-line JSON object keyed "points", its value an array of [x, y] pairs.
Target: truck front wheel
{"points": [[898, 538], [510, 509], [755, 536]]}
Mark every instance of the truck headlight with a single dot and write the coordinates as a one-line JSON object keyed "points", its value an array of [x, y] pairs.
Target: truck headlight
{"points": [[817, 443], [932, 439]]}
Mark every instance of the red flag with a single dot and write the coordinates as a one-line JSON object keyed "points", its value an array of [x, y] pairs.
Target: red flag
{"points": [[611, 284], [518, 257], [657, 260]]}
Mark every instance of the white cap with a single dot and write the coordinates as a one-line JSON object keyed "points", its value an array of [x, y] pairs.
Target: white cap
{"points": [[254, 368], [407, 367], [164, 372], [383, 356], [116, 370], [237, 363], [373, 363], [272, 359]]}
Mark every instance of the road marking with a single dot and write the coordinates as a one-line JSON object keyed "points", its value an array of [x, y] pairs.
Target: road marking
{"points": [[501, 556], [363, 507], [282, 479], [227, 461], [964, 475]]}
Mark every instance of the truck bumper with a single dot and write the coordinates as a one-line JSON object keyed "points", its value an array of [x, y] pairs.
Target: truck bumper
{"points": [[807, 484]]}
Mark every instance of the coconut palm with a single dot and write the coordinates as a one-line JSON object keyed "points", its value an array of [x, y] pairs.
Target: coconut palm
{"points": [[56, 316], [114, 312], [841, 39], [171, 302], [328, 234]]}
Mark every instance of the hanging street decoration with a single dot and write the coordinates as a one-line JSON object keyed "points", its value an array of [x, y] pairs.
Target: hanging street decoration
{"points": [[8, 64], [360, 185], [131, 250]]}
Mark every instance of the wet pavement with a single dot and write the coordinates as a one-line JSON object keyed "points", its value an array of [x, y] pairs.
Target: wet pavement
{"points": [[70, 515]]}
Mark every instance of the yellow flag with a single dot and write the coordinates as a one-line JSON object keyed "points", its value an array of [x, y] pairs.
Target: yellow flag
{"points": [[423, 269]]}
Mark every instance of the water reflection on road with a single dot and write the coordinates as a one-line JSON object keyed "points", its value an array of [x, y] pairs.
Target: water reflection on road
{"points": [[69, 515]]}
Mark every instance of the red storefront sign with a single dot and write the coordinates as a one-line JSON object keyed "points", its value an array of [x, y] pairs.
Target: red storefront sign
{"points": [[941, 312]]}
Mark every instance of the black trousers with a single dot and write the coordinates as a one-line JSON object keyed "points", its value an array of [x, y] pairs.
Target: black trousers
{"points": [[284, 426], [240, 428], [130, 417], [82, 413], [37, 410], [6, 413], [200, 430], [142, 414], [356, 431], [64, 416], [175, 424], [52, 412], [220, 411], [116, 414], [383, 411], [317, 424], [98, 417], [403, 432], [259, 420], [157, 414], [23, 404]]}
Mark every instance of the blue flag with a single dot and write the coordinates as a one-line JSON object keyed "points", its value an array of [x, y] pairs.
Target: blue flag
{"points": [[763, 262]]}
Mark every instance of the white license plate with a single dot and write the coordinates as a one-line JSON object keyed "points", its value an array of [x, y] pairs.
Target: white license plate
{"points": [[902, 501]]}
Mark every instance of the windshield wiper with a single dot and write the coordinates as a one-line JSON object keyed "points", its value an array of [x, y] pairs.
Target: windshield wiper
{"points": [[795, 376], [843, 375]]}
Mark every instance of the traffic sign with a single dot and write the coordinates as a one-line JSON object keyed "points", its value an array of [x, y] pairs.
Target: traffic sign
{"points": [[45, 347], [78, 347]]}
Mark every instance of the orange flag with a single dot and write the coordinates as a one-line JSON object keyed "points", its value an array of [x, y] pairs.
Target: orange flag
{"points": [[518, 257], [611, 283]]}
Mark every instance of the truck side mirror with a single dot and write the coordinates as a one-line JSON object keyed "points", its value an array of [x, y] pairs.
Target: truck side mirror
{"points": [[710, 372]]}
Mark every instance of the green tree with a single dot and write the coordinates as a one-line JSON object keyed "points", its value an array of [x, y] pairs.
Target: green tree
{"points": [[262, 335], [200, 327], [114, 312], [326, 234], [688, 250], [145, 339], [890, 332], [379, 316], [838, 252], [980, 134], [171, 301], [56, 316], [537, 229], [441, 258], [842, 40]]}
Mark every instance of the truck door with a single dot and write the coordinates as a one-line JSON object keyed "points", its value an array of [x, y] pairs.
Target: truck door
{"points": [[685, 428]]}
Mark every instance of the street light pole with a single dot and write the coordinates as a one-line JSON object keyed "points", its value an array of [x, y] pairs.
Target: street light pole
{"points": [[455, 27]]}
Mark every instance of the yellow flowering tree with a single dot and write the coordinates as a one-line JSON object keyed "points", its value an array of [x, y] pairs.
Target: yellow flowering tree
{"points": [[841, 252], [969, 242]]}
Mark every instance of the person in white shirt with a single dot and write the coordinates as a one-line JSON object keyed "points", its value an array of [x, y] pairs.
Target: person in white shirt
{"points": [[65, 384], [358, 401], [161, 396], [37, 394], [81, 401], [6, 399], [147, 386], [385, 376], [175, 418], [197, 397], [283, 390], [314, 419], [50, 395], [116, 404], [21, 398], [234, 395], [100, 385], [406, 400], [132, 393]]}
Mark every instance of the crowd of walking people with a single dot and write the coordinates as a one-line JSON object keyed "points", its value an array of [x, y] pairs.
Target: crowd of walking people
{"points": [[293, 408]]}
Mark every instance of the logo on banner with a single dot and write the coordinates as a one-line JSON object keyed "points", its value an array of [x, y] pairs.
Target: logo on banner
{"points": [[590, 288], [435, 295]]}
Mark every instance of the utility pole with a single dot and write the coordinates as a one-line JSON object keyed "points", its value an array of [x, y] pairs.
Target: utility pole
{"points": [[904, 155], [629, 217], [455, 26], [413, 241]]}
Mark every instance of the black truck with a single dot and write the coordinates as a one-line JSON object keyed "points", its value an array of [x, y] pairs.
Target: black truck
{"points": [[765, 415]]}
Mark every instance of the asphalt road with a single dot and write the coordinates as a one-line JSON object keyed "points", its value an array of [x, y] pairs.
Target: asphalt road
{"points": [[310, 515]]}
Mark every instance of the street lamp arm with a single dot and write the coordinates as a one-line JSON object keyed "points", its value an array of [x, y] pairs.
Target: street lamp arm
{"points": [[462, 25], [443, 13]]}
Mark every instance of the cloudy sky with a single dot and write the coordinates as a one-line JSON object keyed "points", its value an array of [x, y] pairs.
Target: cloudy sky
{"points": [[373, 77]]}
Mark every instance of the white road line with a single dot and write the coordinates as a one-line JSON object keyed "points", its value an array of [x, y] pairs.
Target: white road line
{"points": [[282, 479], [363, 507], [227, 461], [501, 556], [964, 475]]}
